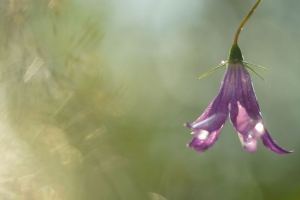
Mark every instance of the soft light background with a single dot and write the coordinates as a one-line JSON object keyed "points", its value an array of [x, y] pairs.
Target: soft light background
{"points": [[94, 95]]}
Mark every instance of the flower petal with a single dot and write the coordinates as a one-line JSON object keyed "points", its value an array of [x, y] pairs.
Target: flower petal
{"points": [[202, 145], [221, 101], [272, 145], [210, 124], [244, 108], [243, 123], [206, 132], [249, 143]]}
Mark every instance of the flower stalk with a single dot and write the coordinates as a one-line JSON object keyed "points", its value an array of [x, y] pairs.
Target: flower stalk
{"points": [[235, 42]]}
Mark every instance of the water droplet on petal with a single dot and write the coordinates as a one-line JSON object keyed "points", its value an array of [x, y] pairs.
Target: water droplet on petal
{"points": [[259, 127], [203, 134]]}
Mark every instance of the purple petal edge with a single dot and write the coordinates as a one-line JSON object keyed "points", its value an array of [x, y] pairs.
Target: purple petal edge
{"points": [[272, 145]]}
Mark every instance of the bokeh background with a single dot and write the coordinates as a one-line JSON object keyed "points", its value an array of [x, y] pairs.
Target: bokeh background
{"points": [[94, 95]]}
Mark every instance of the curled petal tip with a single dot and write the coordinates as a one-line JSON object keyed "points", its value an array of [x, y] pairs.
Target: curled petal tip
{"points": [[283, 151], [288, 152], [272, 145]]}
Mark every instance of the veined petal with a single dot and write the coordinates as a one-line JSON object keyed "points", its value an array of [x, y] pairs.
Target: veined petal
{"points": [[244, 124], [245, 113], [210, 124], [272, 145], [244, 93], [244, 110], [207, 127], [221, 101]]}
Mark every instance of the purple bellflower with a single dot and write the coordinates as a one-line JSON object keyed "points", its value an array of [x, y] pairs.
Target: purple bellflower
{"points": [[237, 99]]}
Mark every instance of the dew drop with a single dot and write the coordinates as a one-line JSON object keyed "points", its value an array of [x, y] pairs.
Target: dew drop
{"points": [[203, 134], [260, 128]]}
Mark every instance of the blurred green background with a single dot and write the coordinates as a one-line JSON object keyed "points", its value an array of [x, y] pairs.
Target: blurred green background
{"points": [[94, 95]]}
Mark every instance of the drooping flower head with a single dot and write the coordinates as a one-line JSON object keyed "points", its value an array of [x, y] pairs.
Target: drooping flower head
{"points": [[237, 99]]}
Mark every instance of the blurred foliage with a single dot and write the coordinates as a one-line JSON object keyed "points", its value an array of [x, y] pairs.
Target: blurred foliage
{"points": [[94, 95]]}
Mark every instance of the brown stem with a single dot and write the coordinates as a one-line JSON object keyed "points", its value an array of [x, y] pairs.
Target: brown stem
{"points": [[244, 22]]}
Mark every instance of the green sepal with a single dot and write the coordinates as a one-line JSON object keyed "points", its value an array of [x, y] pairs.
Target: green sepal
{"points": [[235, 54], [255, 65], [255, 72], [212, 70]]}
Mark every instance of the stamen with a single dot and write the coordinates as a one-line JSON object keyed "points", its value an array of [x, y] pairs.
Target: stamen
{"points": [[241, 138]]}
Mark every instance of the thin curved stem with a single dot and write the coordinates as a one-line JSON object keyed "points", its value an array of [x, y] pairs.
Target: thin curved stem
{"points": [[244, 22]]}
